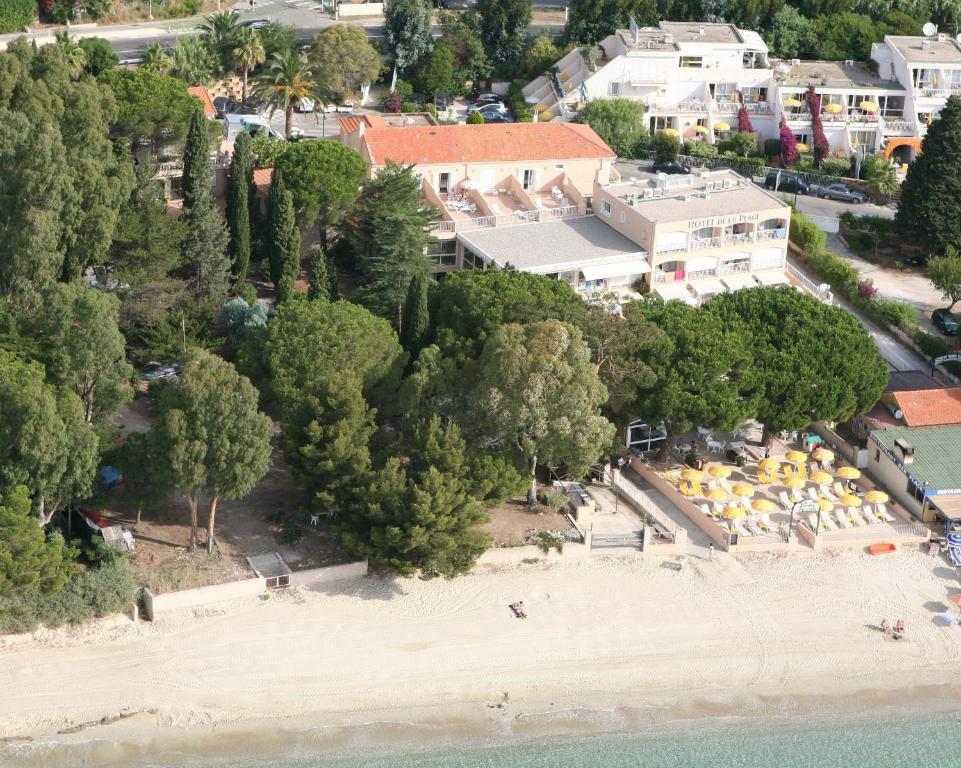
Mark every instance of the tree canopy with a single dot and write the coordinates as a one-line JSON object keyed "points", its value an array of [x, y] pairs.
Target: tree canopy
{"points": [[945, 275], [589, 21], [407, 35], [343, 60], [620, 122], [504, 26], [150, 107]]}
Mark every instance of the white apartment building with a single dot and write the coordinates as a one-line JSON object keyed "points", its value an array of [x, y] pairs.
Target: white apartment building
{"points": [[694, 78]]}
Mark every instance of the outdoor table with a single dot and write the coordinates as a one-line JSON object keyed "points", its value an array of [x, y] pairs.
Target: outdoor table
{"points": [[737, 445], [703, 432]]}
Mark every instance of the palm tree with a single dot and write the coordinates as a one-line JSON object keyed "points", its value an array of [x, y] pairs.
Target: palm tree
{"points": [[73, 55], [248, 53], [288, 81], [220, 30], [156, 59]]}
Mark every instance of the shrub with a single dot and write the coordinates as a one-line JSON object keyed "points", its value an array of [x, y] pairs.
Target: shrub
{"points": [[93, 592], [772, 147], [16, 14], [554, 499], [834, 270], [494, 479], [929, 344], [866, 289], [899, 314], [411, 106], [475, 118], [700, 149], [665, 147], [836, 166], [806, 235]]}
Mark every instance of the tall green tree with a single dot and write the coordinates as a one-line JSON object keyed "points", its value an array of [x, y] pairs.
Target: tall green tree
{"points": [[73, 55], [221, 32], [194, 61], [422, 518], [416, 316], [700, 379], [504, 28], [45, 444], [30, 559], [240, 179], [343, 60], [324, 177], [620, 122], [150, 107], [791, 35], [591, 22], [215, 439], [809, 361], [319, 286], [389, 232], [538, 396], [156, 59], [284, 245], [461, 33], [286, 82], [83, 349], [945, 275], [248, 52], [205, 243], [100, 55], [439, 77], [407, 33], [927, 214]]}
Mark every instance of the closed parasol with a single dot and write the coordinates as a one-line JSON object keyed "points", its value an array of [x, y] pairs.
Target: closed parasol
{"points": [[833, 108]]}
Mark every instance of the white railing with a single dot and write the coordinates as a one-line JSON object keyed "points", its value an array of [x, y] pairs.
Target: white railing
{"points": [[443, 226], [702, 273], [738, 238], [709, 242], [562, 212], [813, 288], [735, 266], [772, 234], [896, 126], [506, 220]]}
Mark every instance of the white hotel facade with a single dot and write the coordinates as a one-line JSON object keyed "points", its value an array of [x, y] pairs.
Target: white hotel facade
{"points": [[694, 77]]}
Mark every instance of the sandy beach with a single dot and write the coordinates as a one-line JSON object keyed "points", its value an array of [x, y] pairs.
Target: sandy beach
{"points": [[622, 636]]}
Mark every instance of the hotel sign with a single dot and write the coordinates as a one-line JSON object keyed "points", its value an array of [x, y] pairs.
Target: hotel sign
{"points": [[724, 221]]}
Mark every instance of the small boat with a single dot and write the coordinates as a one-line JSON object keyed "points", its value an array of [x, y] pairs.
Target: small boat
{"points": [[881, 548]]}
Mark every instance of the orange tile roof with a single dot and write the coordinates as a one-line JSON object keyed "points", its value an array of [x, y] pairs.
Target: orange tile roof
{"points": [[485, 143], [204, 95], [930, 407], [263, 177]]}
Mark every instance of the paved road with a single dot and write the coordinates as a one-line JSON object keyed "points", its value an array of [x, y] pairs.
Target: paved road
{"points": [[816, 206]]}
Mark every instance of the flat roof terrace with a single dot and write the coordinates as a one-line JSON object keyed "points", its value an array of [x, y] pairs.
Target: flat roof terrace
{"points": [[926, 50], [832, 74]]}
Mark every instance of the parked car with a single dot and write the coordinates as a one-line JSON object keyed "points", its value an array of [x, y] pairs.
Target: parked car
{"points": [[786, 182], [224, 105], [488, 98], [840, 192], [305, 104], [155, 371], [443, 100], [487, 105], [497, 117], [252, 106], [255, 23], [946, 322], [671, 166]]}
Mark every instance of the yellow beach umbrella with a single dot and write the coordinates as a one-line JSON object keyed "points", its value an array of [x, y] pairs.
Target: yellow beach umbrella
{"points": [[670, 132], [700, 129], [849, 473], [794, 482], [716, 494], [722, 126], [793, 103], [822, 454], [764, 505], [868, 106], [850, 500], [822, 478], [769, 463], [825, 505], [802, 147], [719, 470], [833, 108], [692, 475], [876, 497], [743, 490], [796, 457], [735, 513]]}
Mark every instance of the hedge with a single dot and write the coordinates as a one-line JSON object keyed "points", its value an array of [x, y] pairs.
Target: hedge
{"points": [[16, 14], [92, 592]]}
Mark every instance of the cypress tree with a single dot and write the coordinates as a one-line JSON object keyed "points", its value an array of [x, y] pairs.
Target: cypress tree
{"points": [[205, 244], [319, 287], [285, 246], [274, 200], [416, 316], [334, 277], [239, 181]]}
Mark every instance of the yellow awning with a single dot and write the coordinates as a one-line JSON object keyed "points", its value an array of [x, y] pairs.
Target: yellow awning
{"points": [[833, 108], [793, 103], [722, 127]]}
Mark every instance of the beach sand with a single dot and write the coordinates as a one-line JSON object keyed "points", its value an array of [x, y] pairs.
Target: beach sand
{"points": [[610, 642]]}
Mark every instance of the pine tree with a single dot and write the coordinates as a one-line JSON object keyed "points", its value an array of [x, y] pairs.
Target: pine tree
{"points": [[205, 244], [389, 235], [239, 181], [284, 246], [416, 318], [319, 286]]}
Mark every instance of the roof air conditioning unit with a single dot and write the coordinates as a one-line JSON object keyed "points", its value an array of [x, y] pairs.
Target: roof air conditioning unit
{"points": [[849, 62], [728, 183], [925, 45], [905, 450]]}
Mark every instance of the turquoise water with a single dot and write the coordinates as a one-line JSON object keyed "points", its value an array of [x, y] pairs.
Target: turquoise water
{"points": [[880, 741]]}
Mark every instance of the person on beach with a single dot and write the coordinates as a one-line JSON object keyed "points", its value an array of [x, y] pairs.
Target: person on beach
{"points": [[885, 627], [710, 552], [899, 629]]}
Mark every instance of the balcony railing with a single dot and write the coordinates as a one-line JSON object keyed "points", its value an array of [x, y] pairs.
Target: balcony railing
{"points": [[506, 220], [737, 238], [661, 277], [702, 273], [772, 234], [735, 266], [669, 108], [707, 242], [900, 127]]}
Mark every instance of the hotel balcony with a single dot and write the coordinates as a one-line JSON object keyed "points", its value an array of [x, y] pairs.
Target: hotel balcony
{"points": [[733, 107]]}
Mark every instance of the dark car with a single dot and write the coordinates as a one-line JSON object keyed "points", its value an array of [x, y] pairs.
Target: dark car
{"points": [[255, 23], [497, 117], [671, 166], [223, 105], [948, 323], [841, 192], [252, 106], [488, 98], [786, 182], [155, 371]]}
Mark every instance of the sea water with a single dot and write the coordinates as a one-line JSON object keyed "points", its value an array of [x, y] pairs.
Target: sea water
{"points": [[926, 740]]}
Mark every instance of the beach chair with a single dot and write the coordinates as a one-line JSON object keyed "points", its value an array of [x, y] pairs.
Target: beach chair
{"points": [[842, 518], [813, 522], [722, 481], [738, 528], [888, 517], [795, 495], [868, 517], [826, 493], [785, 502], [704, 508], [812, 492], [854, 517], [839, 489], [768, 525], [752, 527], [827, 522]]}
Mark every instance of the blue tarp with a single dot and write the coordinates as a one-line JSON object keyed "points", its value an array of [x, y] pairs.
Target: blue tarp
{"points": [[109, 476]]}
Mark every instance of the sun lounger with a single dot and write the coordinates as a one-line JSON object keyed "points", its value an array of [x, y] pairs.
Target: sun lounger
{"points": [[842, 518], [752, 527], [796, 496], [954, 555], [826, 493], [887, 515], [868, 517], [813, 522], [854, 517], [768, 525], [827, 522], [704, 508], [785, 502], [839, 489], [722, 481]]}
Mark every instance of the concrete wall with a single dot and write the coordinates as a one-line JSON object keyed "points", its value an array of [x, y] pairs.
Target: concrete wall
{"points": [[192, 598], [891, 478], [351, 10]]}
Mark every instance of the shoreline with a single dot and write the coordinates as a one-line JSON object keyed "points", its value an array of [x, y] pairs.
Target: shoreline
{"points": [[614, 643], [137, 740]]}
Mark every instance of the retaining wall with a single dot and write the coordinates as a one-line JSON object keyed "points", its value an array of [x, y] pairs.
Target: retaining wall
{"points": [[350, 10]]}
